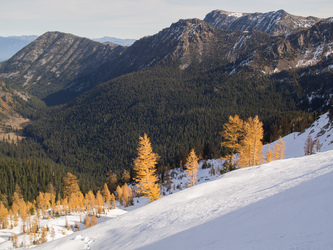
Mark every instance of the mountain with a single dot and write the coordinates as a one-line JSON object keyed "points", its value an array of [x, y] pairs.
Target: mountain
{"points": [[273, 23], [280, 205], [63, 66], [119, 41], [180, 85], [54, 61], [12, 44]]}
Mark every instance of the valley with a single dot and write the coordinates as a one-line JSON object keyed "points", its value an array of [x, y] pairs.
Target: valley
{"points": [[69, 104]]}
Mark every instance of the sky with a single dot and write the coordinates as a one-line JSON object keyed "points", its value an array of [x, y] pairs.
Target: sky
{"points": [[130, 18]]}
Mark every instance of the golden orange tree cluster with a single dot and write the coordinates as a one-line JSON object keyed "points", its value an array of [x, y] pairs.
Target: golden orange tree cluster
{"points": [[244, 138]]}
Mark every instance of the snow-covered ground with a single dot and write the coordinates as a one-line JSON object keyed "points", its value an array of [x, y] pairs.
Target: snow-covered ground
{"points": [[319, 130], [284, 204]]}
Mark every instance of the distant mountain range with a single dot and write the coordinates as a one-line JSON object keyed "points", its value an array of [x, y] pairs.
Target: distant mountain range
{"points": [[12, 44], [122, 42]]}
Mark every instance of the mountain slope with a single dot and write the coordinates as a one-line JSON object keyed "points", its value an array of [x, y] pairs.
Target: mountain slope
{"points": [[58, 67], [283, 204], [12, 44], [321, 130], [274, 22], [54, 60]]}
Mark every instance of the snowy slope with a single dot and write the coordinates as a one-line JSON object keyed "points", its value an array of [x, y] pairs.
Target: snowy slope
{"points": [[320, 130], [284, 204]]}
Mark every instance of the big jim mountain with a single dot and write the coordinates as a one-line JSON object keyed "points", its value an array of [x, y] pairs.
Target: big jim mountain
{"points": [[179, 86]]}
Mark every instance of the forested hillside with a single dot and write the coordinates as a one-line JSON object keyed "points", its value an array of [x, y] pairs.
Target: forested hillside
{"points": [[178, 86], [178, 109]]}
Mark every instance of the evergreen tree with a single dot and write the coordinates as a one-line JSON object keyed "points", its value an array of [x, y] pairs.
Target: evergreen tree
{"points": [[125, 178], [145, 170], [191, 168], [112, 182]]}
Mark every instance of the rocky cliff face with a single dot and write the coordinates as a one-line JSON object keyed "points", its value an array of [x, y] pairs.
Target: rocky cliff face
{"points": [[273, 23], [54, 60]]}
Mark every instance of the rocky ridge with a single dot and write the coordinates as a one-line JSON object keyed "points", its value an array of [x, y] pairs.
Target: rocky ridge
{"points": [[59, 64], [54, 60], [273, 23]]}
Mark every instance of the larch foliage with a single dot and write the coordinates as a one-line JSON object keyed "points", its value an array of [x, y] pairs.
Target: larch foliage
{"points": [[99, 202], [126, 177], [70, 185], [113, 201], [251, 149], [279, 149], [191, 168], [232, 134], [106, 195], [76, 201], [3, 216], [145, 170], [269, 154], [125, 195], [90, 201], [119, 192]]}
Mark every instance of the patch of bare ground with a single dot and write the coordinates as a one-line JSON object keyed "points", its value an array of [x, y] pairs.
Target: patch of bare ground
{"points": [[10, 126]]}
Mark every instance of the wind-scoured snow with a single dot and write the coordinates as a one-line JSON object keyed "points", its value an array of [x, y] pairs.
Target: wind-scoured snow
{"points": [[285, 204]]}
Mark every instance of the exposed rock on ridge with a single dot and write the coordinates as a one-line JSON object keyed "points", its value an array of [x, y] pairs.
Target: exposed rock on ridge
{"points": [[274, 23]]}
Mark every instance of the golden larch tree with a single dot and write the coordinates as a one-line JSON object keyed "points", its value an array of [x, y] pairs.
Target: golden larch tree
{"points": [[90, 201], [251, 149], [119, 192], [125, 195], [269, 154], [145, 170], [232, 135], [99, 202], [3, 216], [70, 185], [106, 195], [279, 150], [191, 168]]}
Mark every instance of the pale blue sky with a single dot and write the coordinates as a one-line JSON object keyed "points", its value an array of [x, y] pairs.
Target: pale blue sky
{"points": [[130, 18]]}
